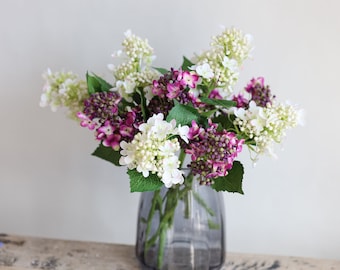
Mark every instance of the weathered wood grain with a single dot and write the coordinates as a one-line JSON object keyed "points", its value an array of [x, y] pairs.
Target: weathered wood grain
{"points": [[52, 254], [23, 253]]}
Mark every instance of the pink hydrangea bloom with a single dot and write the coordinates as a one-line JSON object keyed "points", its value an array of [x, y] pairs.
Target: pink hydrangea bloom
{"points": [[241, 101], [215, 94], [253, 83], [86, 121], [187, 78]]}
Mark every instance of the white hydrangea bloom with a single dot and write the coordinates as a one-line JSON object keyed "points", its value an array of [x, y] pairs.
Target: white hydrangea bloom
{"points": [[154, 150], [252, 120], [135, 70], [265, 126], [172, 175], [125, 88], [63, 89], [152, 121], [168, 148], [148, 92], [230, 64], [183, 132], [225, 57], [236, 44], [205, 71]]}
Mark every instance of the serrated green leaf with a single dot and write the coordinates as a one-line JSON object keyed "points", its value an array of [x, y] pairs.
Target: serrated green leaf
{"points": [[218, 102], [186, 64], [233, 181], [108, 154], [161, 70], [96, 84], [139, 183], [185, 114]]}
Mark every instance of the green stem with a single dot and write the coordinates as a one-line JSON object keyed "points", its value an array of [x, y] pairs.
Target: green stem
{"points": [[162, 238], [154, 202], [187, 208], [181, 158], [144, 108], [166, 221], [183, 194], [201, 202], [166, 214]]}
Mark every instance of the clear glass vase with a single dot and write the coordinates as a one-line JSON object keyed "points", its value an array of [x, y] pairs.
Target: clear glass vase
{"points": [[181, 228]]}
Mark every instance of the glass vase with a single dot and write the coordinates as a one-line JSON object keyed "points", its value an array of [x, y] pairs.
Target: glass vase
{"points": [[181, 228]]}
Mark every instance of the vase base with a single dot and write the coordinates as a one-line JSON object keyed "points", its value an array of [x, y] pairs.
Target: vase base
{"points": [[182, 257]]}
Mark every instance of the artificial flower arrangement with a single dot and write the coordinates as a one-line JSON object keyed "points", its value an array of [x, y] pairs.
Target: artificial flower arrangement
{"points": [[149, 119]]}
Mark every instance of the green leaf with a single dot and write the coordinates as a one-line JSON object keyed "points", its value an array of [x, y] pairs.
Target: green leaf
{"points": [[96, 84], [108, 154], [161, 70], [139, 183], [185, 114], [208, 114], [202, 87], [232, 182], [218, 102], [225, 121], [186, 64]]}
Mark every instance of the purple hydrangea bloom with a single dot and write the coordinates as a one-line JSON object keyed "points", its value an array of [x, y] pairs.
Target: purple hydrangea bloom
{"points": [[260, 93], [212, 151]]}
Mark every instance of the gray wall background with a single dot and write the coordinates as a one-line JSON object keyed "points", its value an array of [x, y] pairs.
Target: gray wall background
{"points": [[51, 186]]}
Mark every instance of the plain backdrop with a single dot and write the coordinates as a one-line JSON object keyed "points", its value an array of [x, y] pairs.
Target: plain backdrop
{"points": [[51, 186]]}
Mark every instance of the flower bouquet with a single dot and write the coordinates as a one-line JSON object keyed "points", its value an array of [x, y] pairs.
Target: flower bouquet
{"points": [[175, 128]]}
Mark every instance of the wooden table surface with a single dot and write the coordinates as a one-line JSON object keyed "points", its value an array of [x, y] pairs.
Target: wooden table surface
{"points": [[22, 253]]}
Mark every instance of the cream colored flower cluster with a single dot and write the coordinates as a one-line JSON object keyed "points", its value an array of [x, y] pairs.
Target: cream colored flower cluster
{"points": [[265, 126], [235, 44], [154, 150], [136, 48], [133, 80], [136, 70], [224, 58], [280, 118], [64, 89]]}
